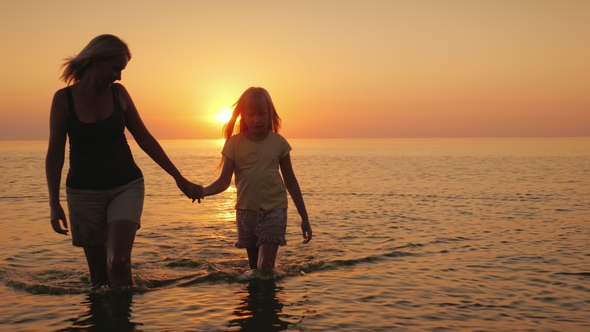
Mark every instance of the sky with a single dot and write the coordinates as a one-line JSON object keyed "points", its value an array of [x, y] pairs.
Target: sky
{"points": [[334, 68]]}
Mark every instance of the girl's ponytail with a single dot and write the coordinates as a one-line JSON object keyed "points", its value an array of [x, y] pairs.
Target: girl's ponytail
{"points": [[228, 128]]}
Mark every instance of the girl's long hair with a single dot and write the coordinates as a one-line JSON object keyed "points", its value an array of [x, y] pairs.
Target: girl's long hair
{"points": [[252, 98], [101, 47]]}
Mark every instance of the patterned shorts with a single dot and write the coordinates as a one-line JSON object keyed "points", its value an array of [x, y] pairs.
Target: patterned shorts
{"points": [[256, 228], [90, 211]]}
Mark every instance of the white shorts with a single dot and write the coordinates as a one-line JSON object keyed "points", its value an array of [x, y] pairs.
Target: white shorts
{"points": [[91, 211]]}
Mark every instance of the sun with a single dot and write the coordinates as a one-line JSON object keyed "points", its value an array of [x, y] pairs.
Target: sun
{"points": [[224, 115]]}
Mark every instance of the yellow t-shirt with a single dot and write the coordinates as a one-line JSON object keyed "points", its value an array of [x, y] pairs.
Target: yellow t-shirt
{"points": [[258, 182]]}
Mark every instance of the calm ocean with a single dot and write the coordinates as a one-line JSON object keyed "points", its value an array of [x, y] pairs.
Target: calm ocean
{"points": [[409, 235]]}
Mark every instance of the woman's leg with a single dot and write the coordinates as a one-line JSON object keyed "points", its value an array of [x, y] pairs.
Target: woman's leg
{"points": [[96, 256], [121, 235], [267, 254]]}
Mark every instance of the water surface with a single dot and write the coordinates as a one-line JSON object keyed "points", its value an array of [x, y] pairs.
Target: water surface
{"points": [[409, 234]]}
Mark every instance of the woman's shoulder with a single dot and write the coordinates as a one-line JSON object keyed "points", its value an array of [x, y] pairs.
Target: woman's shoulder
{"points": [[59, 104], [120, 88], [62, 91], [60, 96]]}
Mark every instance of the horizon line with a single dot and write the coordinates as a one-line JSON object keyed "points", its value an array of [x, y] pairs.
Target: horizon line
{"points": [[340, 138]]}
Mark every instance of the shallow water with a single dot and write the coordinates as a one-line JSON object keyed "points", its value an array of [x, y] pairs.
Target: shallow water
{"points": [[409, 234]]}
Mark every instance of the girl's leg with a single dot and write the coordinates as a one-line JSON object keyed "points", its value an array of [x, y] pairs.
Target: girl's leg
{"points": [[252, 257], [96, 256], [121, 235], [267, 254]]}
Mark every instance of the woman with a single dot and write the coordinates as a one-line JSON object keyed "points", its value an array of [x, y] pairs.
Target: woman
{"points": [[104, 186]]}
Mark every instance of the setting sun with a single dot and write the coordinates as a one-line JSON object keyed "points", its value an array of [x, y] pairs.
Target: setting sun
{"points": [[223, 116]]}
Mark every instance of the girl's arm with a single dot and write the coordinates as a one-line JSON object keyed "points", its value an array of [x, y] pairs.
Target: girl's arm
{"points": [[54, 160], [295, 192], [148, 143], [224, 180]]}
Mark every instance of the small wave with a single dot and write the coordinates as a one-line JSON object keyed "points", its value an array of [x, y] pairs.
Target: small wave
{"points": [[398, 254], [582, 274], [228, 271], [216, 276], [17, 197], [410, 245], [262, 275], [52, 282], [185, 263], [319, 266], [449, 239], [483, 306], [183, 272], [46, 288]]}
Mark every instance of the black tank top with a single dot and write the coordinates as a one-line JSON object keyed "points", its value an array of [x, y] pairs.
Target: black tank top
{"points": [[100, 157]]}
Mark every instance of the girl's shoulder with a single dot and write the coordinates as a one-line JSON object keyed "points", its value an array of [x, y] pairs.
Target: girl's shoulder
{"points": [[276, 136], [272, 137], [279, 137], [279, 142], [235, 137], [234, 140]]}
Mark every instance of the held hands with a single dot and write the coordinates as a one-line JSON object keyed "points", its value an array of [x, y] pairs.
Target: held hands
{"points": [[57, 214], [191, 190], [196, 192]]}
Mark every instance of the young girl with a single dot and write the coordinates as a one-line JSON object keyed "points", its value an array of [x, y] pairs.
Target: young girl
{"points": [[255, 154]]}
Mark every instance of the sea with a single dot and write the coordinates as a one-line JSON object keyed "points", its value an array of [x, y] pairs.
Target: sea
{"points": [[466, 234]]}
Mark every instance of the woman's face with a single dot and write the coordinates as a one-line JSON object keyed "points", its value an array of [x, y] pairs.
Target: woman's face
{"points": [[109, 71]]}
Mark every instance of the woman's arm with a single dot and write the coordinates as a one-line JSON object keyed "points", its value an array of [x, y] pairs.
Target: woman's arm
{"points": [[294, 190], [54, 160], [224, 180], [148, 143]]}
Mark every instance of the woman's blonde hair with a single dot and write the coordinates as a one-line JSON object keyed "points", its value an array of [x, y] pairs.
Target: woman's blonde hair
{"points": [[102, 47], [252, 98]]}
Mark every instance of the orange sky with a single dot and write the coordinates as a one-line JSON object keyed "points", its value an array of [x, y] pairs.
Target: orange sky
{"points": [[335, 69]]}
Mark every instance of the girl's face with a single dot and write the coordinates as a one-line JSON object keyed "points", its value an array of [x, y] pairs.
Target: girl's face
{"points": [[257, 120]]}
